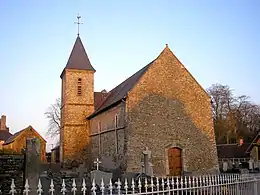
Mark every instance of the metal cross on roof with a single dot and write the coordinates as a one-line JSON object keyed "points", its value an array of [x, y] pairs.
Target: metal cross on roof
{"points": [[97, 162], [78, 22]]}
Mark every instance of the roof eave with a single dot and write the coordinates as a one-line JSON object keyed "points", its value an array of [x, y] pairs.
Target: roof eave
{"points": [[64, 70], [62, 73], [5, 144], [248, 150], [105, 109]]}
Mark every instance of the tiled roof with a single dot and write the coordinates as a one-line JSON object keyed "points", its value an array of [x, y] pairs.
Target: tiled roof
{"points": [[120, 92], [14, 136], [232, 150], [4, 135], [99, 98]]}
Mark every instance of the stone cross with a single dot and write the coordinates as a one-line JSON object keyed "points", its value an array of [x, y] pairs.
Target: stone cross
{"points": [[147, 156], [97, 162]]}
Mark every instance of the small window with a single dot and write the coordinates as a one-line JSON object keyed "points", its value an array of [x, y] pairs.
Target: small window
{"points": [[116, 121]]}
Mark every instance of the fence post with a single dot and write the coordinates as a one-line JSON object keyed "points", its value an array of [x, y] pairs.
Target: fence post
{"points": [[255, 186], [237, 182]]}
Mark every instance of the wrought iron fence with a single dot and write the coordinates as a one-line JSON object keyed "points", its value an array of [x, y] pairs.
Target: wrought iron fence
{"points": [[233, 184]]}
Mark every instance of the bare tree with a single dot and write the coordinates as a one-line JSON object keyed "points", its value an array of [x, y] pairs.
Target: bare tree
{"points": [[234, 117], [222, 103], [222, 100], [53, 115]]}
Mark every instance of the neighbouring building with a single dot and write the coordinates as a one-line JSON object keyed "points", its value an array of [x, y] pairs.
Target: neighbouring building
{"points": [[233, 154], [17, 142], [55, 154], [4, 131], [237, 153], [161, 108], [254, 149]]}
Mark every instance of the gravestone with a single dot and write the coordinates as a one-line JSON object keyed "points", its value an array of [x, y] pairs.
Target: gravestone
{"points": [[225, 166], [251, 164], [108, 163], [74, 165], [148, 166], [98, 175], [82, 170], [32, 162], [230, 165]]}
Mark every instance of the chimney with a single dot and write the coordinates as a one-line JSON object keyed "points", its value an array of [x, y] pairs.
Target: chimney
{"points": [[3, 123]]}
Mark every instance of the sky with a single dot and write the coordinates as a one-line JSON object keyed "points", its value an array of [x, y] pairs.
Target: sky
{"points": [[218, 41]]}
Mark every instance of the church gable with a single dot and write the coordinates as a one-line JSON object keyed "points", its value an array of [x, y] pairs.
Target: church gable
{"points": [[168, 77], [167, 107]]}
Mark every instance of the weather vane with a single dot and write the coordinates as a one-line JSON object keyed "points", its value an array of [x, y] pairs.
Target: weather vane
{"points": [[78, 22]]}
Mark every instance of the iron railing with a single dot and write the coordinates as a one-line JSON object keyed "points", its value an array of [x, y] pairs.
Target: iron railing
{"points": [[227, 184]]}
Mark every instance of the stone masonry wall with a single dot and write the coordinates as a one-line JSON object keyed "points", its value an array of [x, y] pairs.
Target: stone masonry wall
{"points": [[110, 159], [11, 167], [75, 109], [168, 108]]}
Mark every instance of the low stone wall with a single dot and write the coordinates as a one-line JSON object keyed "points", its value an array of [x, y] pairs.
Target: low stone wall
{"points": [[11, 167]]}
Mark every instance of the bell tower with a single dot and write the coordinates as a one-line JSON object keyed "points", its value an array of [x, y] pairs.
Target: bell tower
{"points": [[77, 102]]}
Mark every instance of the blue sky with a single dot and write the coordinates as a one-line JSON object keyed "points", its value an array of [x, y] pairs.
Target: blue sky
{"points": [[217, 41]]}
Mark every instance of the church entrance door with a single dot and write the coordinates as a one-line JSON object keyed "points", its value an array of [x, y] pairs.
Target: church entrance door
{"points": [[175, 162]]}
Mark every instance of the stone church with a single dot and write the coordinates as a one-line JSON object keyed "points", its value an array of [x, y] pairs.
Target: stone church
{"points": [[161, 108]]}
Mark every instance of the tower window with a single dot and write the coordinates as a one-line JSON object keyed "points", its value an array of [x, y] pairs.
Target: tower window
{"points": [[79, 90], [79, 81], [79, 86]]}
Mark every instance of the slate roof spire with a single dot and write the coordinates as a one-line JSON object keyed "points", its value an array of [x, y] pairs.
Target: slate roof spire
{"points": [[78, 58]]}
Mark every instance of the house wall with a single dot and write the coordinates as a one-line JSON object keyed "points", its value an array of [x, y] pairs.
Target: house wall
{"points": [[20, 143], [74, 134], [110, 156], [254, 154], [55, 156], [168, 108]]}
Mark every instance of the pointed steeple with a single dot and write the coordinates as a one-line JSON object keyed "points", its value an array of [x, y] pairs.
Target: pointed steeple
{"points": [[78, 58]]}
